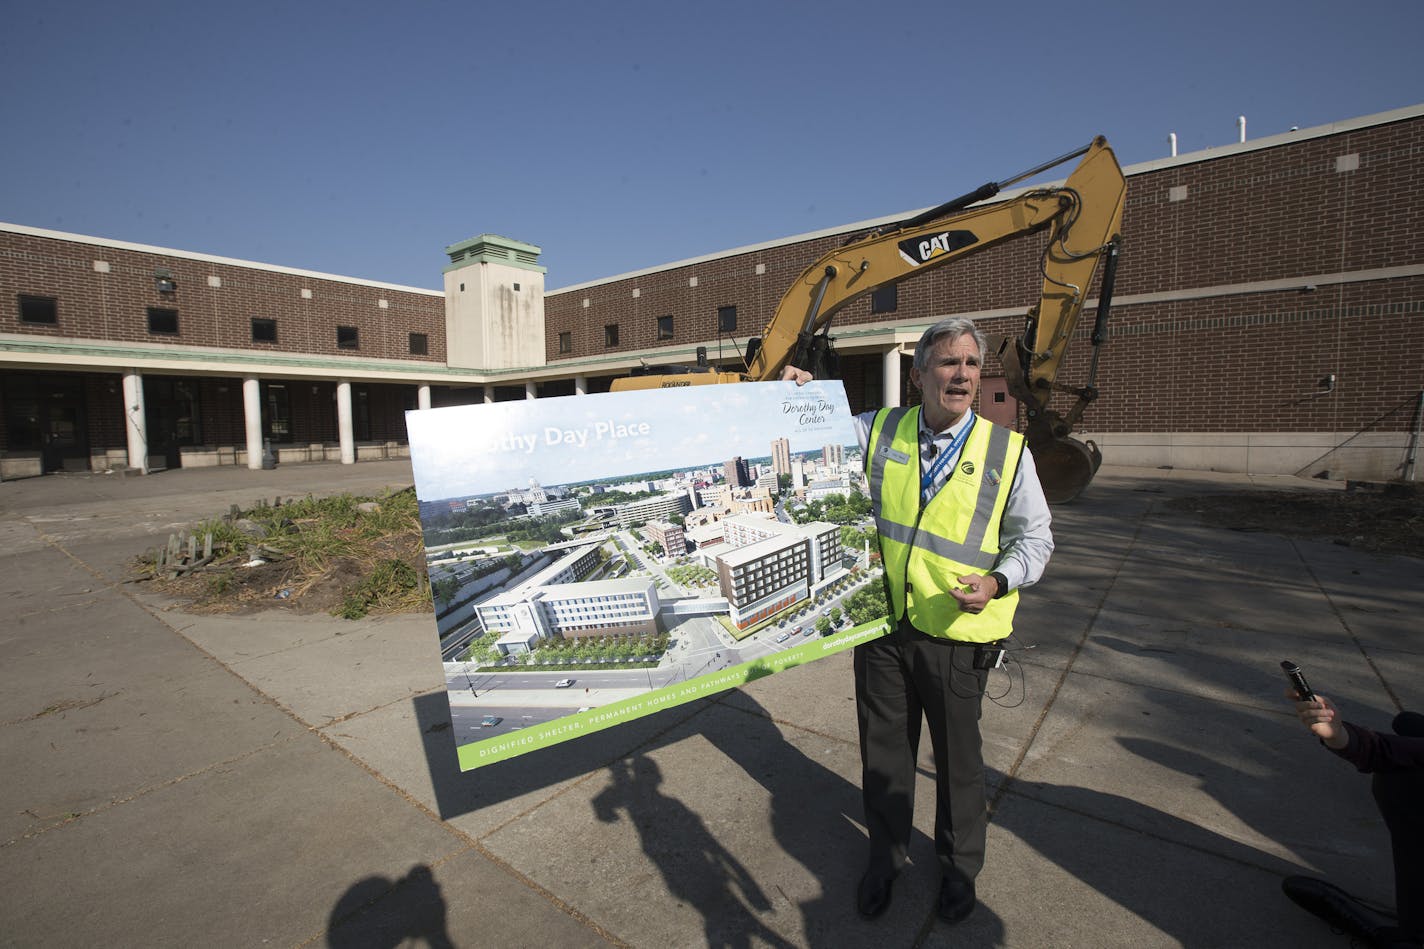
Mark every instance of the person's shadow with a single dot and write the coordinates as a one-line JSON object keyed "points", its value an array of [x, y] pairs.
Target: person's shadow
{"points": [[815, 816], [815, 813], [376, 913], [696, 868]]}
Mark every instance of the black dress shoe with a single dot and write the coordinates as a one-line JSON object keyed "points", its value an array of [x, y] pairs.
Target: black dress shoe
{"points": [[872, 897], [956, 899], [1342, 911]]}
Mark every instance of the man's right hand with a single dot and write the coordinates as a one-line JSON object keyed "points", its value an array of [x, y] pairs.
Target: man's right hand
{"points": [[1322, 718]]}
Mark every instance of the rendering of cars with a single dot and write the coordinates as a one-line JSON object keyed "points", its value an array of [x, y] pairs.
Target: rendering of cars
{"points": [[563, 683], [489, 721], [782, 637]]}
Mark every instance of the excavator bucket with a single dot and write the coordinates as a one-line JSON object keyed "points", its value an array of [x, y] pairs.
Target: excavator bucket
{"points": [[1065, 464]]}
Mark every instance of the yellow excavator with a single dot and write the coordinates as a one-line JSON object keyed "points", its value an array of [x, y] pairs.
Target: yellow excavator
{"points": [[1083, 217]]}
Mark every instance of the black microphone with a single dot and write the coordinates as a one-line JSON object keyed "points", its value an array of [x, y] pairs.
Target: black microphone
{"points": [[931, 451]]}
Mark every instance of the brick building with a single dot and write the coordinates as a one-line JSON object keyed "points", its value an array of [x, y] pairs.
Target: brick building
{"points": [[1266, 318], [668, 536]]}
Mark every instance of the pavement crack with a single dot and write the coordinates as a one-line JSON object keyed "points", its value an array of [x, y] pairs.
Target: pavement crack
{"points": [[403, 699], [74, 816], [59, 708], [1345, 625]]}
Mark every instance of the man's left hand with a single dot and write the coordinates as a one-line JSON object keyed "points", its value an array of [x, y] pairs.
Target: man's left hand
{"points": [[979, 590]]}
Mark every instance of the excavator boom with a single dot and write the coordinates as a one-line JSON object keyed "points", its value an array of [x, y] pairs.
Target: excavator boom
{"points": [[1083, 218]]}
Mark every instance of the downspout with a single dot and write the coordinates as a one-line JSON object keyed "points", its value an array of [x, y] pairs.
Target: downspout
{"points": [[1414, 438]]}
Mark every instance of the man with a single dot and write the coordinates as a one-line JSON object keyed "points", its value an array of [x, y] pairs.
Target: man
{"points": [[963, 526], [1397, 763]]}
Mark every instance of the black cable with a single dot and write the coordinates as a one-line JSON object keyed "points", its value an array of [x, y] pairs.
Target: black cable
{"points": [[1010, 663]]}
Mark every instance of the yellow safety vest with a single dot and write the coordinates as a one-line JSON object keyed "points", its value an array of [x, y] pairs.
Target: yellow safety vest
{"points": [[926, 547]]}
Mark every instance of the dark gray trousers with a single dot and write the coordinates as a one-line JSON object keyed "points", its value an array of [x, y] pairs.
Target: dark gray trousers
{"points": [[900, 679]]}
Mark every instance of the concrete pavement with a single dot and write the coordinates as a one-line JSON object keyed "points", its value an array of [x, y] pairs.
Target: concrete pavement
{"points": [[174, 779]]}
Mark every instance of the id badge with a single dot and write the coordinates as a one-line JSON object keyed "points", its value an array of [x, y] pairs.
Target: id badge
{"points": [[890, 454]]}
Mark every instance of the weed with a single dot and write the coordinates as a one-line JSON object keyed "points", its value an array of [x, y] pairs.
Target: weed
{"points": [[353, 555]]}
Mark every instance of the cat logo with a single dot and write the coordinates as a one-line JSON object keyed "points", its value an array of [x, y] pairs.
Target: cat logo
{"points": [[967, 468], [922, 250]]}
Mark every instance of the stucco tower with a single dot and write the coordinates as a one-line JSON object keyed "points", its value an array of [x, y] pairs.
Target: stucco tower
{"points": [[494, 304]]}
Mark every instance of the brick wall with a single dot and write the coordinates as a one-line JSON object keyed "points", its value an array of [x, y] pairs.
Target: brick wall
{"points": [[1224, 351], [1224, 363], [114, 305]]}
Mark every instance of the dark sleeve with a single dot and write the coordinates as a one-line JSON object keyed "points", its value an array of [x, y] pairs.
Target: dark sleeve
{"points": [[1372, 751]]}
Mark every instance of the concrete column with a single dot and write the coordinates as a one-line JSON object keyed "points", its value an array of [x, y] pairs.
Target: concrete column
{"points": [[489, 394], [580, 385], [343, 423], [135, 422], [531, 391], [252, 416], [422, 397], [890, 392]]}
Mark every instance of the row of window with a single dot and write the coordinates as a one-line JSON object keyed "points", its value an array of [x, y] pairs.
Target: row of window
{"points": [[726, 323], [44, 311], [163, 321], [882, 300]]}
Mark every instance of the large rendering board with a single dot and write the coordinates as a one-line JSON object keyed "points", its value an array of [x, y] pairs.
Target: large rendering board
{"points": [[597, 558]]}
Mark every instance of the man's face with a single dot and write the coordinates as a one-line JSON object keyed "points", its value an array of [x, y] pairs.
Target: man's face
{"points": [[950, 380]]}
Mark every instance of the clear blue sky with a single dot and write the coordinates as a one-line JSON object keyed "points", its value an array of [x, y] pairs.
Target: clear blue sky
{"points": [[361, 138]]}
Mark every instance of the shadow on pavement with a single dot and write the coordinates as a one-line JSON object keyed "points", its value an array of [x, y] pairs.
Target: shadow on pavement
{"points": [[814, 813], [377, 912], [696, 869], [1162, 893], [461, 792], [816, 819]]}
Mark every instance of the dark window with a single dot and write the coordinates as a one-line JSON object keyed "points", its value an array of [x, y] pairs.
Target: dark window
{"points": [[566, 342], [162, 322], [347, 338], [264, 331], [999, 398], [726, 319], [516, 288], [278, 411], [361, 413], [44, 310], [419, 344], [610, 335], [664, 327], [885, 300]]}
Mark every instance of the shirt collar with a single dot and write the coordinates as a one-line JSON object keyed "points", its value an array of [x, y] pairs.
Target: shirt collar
{"points": [[927, 436]]}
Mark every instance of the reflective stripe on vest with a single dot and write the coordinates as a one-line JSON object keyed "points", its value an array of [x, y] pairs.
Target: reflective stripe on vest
{"points": [[925, 549]]}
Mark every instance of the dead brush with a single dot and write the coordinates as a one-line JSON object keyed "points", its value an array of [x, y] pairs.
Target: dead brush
{"points": [[347, 555]]}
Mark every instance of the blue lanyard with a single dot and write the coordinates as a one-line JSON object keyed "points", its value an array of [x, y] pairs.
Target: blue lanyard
{"points": [[945, 457]]}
